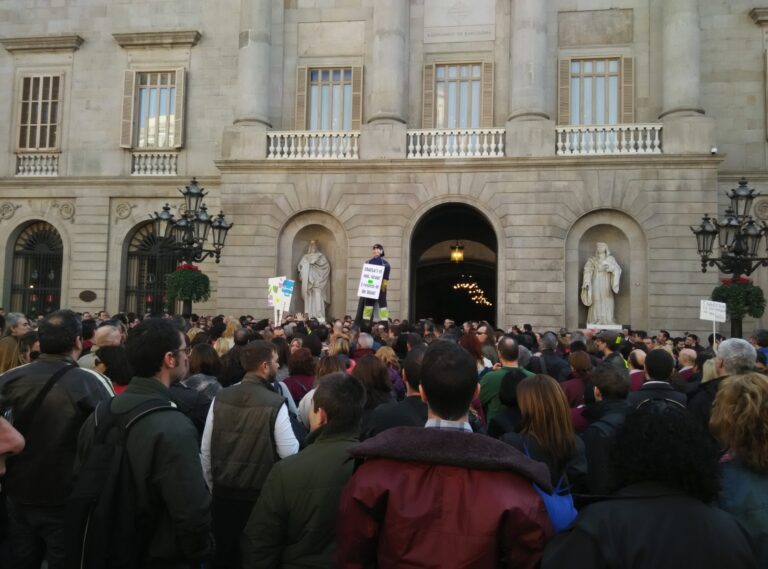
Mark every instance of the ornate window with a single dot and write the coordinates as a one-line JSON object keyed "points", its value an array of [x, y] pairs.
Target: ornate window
{"points": [[596, 91], [39, 112], [149, 260], [36, 272], [329, 98], [458, 95]]}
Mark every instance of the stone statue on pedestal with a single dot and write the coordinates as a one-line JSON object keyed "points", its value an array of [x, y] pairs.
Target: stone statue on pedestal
{"points": [[315, 277], [600, 283]]}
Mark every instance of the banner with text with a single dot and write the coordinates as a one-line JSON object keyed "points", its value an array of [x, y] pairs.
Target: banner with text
{"points": [[711, 310], [370, 281]]}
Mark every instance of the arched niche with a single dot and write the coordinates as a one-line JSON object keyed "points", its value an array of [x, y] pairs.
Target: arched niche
{"points": [[331, 239], [627, 243]]}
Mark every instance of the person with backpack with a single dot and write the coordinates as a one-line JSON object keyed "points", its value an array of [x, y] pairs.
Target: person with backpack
{"points": [[161, 517], [547, 435], [48, 401]]}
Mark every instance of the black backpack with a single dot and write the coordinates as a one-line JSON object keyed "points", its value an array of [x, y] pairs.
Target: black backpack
{"points": [[103, 527]]}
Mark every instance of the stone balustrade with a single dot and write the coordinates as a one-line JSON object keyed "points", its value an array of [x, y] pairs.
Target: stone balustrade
{"points": [[37, 164], [154, 163], [456, 143], [609, 139], [313, 145]]}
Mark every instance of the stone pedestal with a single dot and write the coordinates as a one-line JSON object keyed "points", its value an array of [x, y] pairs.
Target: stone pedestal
{"points": [[244, 141], [693, 134], [383, 140], [530, 138]]}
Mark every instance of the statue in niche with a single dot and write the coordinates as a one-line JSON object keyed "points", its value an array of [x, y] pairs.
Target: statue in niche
{"points": [[315, 277], [599, 285]]}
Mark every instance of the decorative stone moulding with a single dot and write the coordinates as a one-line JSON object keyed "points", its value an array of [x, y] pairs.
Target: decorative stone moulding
{"points": [[123, 210], [8, 210], [759, 16], [155, 39], [59, 42], [66, 210]]}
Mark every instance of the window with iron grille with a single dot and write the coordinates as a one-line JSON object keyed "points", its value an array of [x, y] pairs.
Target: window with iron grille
{"points": [[39, 112], [150, 258], [36, 270]]}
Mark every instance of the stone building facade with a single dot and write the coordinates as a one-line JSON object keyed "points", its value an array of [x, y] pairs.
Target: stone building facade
{"points": [[524, 130]]}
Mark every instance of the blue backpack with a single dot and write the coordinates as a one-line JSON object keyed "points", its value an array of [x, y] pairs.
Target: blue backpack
{"points": [[559, 503]]}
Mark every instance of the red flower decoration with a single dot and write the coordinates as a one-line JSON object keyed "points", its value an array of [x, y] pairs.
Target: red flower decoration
{"points": [[740, 280], [187, 267]]}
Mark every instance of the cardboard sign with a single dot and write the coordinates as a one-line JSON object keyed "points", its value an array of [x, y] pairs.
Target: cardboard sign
{"points": [[711, 310], [280, 292], [370, 281]]}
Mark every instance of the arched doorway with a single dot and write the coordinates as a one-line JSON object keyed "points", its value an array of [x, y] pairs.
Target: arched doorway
{"points": [[36, 273], [148, 260], [440, 288]]}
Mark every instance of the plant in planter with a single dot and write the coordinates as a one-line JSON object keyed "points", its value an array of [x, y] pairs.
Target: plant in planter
{"points": [[742, 298], [188, 284]]}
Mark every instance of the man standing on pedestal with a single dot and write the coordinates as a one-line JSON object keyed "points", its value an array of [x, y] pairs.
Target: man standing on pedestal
{"points": [[366, 305]]}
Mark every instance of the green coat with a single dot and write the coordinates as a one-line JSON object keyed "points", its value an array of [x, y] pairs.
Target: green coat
{"points": [[169, 486], [293, 525], [490, 385]]}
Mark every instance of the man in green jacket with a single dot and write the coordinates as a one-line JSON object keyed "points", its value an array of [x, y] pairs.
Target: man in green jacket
{"points": [[294, 521], [163, 452], [490, 383]]}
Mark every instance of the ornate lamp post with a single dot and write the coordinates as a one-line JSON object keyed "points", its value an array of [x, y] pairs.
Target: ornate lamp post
{"points": [[739, 237], [189, 233]]}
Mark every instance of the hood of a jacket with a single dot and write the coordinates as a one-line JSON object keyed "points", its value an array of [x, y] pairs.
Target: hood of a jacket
{"points": [[452, 448]]}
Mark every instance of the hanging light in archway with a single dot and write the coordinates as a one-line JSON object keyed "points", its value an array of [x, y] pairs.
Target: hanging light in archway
{"points": [[457, 253]]}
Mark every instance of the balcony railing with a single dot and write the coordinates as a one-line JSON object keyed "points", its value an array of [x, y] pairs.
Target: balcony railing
{"points": [[609, 139], [37, 164], [456, 143], [154, 163], [313, 145]]}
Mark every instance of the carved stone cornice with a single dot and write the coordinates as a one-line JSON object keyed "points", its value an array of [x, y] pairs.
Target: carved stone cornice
{"points": [[155, 39], [759, 16], [32, 44]]}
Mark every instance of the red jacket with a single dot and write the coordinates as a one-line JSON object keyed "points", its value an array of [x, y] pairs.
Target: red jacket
{"points": [[433, 498]]}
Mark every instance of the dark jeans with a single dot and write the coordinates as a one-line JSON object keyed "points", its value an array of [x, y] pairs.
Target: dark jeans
{"points": [[229, 517], [35, 533]]}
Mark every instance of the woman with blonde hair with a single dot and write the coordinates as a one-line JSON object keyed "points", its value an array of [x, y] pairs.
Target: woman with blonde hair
{"points": [[227, 340], [546, 431], [341, 347], [739, 421], [388, 356]]}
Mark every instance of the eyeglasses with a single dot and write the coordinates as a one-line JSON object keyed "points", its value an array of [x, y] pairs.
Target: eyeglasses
{"points": [[6, 411], [187, 350]]}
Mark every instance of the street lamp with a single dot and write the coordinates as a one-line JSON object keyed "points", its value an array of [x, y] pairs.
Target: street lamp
{"points": [[188, 233], [739, 237], [190, 230]]}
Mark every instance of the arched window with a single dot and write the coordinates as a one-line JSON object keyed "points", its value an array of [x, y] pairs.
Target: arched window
{"points": [[149, 260], [36, 273]]}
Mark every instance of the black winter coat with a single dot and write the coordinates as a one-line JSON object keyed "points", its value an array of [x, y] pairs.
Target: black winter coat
{"points": [[648, 525]]}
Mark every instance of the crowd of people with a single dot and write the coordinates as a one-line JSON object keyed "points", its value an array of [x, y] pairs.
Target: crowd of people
{"points": [[249, 443]]}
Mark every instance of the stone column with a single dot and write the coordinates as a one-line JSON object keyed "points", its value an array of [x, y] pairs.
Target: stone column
{"points": [[247, 138], [686, 130], [530, 131], [384, 134]]}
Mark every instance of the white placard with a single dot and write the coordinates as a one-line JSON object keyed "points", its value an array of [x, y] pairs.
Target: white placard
{"points": [[370, 281], [711, 310]]}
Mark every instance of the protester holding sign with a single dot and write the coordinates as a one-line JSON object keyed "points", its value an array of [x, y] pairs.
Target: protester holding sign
{"points": [[366, 305]]}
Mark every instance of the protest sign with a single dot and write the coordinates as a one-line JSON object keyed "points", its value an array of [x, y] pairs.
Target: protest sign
{"points": [[711, 310], [370, 281]]}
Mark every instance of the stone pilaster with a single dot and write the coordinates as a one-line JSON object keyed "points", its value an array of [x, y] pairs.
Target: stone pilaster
{"points": [[384, 134], [530, 131], [247, 139], [686, 130]]}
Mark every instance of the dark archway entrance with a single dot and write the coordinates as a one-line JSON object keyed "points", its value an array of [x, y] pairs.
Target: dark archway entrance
{"points": [[441, 289]]}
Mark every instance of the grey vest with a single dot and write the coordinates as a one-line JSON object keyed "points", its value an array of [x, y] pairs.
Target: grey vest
{"points": [[243, 443]]}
